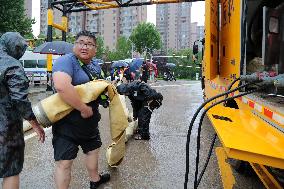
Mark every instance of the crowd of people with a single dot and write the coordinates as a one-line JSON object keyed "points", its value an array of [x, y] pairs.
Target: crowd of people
{"points": [[80, 127], [147, 71]]}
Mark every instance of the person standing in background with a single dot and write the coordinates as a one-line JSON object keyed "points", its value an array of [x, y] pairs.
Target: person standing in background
{"points": [[145, 72]]}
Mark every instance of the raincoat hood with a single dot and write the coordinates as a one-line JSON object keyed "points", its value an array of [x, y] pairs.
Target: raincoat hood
{"points": [[13, 44]]}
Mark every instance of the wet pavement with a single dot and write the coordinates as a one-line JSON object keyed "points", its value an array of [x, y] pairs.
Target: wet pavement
{"points": [[155, 164]]}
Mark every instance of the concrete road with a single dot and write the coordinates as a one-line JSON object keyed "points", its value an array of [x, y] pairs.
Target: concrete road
{"points": [[155, 164]]}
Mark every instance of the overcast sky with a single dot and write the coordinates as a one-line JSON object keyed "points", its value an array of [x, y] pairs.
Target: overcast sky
{"points": [[197, 14]]}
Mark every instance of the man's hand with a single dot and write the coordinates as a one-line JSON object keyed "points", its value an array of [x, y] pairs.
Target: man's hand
{"points": [[67, 92], [39, 130], [86, 111]]}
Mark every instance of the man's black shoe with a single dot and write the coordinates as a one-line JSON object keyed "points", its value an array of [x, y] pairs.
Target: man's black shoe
{"points": [[104, 177]]}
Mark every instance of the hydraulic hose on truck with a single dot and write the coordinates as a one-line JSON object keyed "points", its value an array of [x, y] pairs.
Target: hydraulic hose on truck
{"points": [[212, 144]]}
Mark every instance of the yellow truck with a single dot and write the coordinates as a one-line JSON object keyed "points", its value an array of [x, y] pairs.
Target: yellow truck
{"points": [[244, 48]]}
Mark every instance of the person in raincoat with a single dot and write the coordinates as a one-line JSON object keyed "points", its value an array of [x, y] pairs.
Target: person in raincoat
{"points": [[144, 71], [144, 100], [14, 107]]}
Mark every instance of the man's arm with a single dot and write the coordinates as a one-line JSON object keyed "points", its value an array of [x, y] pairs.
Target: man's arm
{"points": [[65, 89]]}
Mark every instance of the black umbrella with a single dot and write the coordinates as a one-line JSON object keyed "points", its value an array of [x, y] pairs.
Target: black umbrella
{"points": [[119, 64], [54, 47], [170, 65]]}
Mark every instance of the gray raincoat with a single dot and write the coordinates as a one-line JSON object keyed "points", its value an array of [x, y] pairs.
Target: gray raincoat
{"points": [[14, 104]]}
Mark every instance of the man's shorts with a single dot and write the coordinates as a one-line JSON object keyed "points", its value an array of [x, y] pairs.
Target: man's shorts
{"points": [[66, 148]]}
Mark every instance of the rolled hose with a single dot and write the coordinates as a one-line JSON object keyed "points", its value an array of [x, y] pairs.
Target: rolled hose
{"points": [[53, 108]]}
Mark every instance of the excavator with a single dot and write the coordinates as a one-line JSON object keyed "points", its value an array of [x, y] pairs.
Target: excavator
{"points": [[242, 82]]}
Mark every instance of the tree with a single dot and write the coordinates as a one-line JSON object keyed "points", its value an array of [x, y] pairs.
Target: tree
{"points": [[111, 55], [186, 68], [122, 51], [39, 40], [123, 47], [146, 38], [185, 61], [70, 38], [13, 18], [100, 47]]}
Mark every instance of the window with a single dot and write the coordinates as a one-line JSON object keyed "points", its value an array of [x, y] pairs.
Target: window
{"points": [[41, 64], [30, 63]]}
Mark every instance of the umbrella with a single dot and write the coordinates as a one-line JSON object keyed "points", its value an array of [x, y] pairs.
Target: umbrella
{"points": [[119, 64], [98, 61], [54, 47], [136, 64], [170, 65]]}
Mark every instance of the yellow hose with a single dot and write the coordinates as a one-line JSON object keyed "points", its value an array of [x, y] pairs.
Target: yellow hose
{"points": [[52, 109]]}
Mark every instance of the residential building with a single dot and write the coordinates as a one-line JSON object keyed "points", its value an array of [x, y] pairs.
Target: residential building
{"points": [[43, 17], [109, 26], [109, 23], [76, 22], [120, 22], [28, 8], [197, 33], [173, 21], [194, 33], [200, 32]]}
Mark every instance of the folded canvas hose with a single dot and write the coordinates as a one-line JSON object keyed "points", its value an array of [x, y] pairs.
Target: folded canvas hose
{"points": [[52, 109], [132, 126]]}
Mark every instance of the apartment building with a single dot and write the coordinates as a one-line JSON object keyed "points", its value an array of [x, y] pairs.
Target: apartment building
{"points": [[109, 23], [194, 33], [173, 21], [28, 8], [120, 22], [197, 33], [43, 17], [200, 32]]}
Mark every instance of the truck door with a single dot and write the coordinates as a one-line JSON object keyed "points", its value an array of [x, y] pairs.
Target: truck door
{"points": [[210, 63]]}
